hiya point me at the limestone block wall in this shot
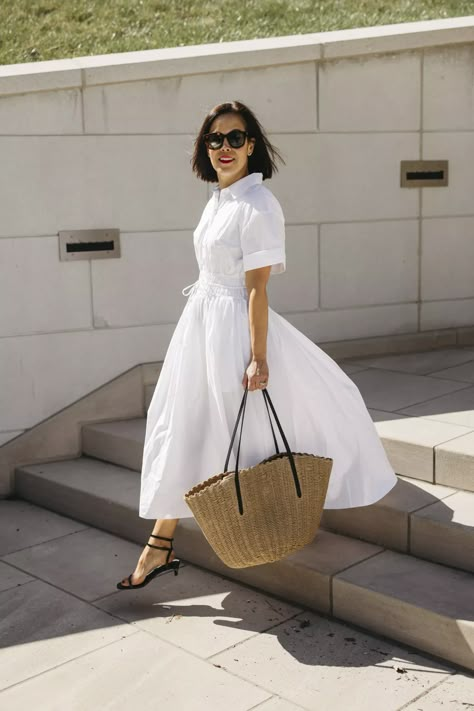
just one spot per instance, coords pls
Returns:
(106, 141)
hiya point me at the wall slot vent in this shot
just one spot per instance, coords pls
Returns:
(89, 244)
(423, 173)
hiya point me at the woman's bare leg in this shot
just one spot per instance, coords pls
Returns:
(150, 557)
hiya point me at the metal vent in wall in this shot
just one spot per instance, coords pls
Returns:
(89, 244)
(423, 173)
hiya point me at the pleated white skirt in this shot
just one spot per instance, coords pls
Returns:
(194, 407)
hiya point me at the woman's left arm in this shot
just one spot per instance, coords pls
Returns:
(256, 282)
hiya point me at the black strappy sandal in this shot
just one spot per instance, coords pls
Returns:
(165, 568)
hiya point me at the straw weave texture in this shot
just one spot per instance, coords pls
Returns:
(275, 521)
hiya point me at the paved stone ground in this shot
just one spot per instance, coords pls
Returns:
(70, 641)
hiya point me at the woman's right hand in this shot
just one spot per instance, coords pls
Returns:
(256, 375)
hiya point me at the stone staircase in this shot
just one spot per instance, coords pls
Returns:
(402, 568)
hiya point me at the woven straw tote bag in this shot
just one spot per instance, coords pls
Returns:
(263, 513)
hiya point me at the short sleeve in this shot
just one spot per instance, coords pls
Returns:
(263, 239)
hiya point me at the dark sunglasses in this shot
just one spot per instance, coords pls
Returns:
(236, 138)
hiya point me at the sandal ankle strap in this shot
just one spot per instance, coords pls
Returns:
(162, 548)
(163, 538)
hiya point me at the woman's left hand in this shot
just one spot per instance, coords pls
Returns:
(256, 375)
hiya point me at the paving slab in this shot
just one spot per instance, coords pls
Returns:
(386, 522)
(421, 362)
(89, 563)
(140, 672)
(11, 577)
(409, 443)
(198, 611)
(23, 524)
(454, 462)
(277, 704)
(320, 663)
(392, 391)
(41, 627)
(455, 693)
(463, 373)
(419, 603)
(382, 415)
(79, 655)
(350, 368)
(444, 531)
(456, 408)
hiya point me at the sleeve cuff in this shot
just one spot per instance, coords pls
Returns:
(267, 257)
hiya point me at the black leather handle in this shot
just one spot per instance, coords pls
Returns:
(241, 414)
(242, 406)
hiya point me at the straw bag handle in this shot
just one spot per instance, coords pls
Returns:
(241, 413)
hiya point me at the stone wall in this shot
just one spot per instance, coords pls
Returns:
(106, 141)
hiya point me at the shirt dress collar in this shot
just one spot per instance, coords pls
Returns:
(239, 187)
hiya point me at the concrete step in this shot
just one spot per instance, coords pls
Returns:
(428, 520)
(149, 390)
(120, 442)
(417, 447)
(423, 604)
(431, 521)
(428, 449)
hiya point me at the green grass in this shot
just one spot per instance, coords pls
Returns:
(37, 30)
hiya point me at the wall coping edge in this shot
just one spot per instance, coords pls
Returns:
(79, 72)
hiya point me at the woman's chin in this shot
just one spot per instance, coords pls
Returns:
(229, 174)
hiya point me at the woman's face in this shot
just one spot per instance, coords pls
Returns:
(230, 164)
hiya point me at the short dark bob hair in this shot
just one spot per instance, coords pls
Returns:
(264, 155)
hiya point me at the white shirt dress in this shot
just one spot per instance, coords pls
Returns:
(194, 407)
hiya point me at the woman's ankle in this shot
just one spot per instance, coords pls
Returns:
(165, 527)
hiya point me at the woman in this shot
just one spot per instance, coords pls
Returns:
(226, 338)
